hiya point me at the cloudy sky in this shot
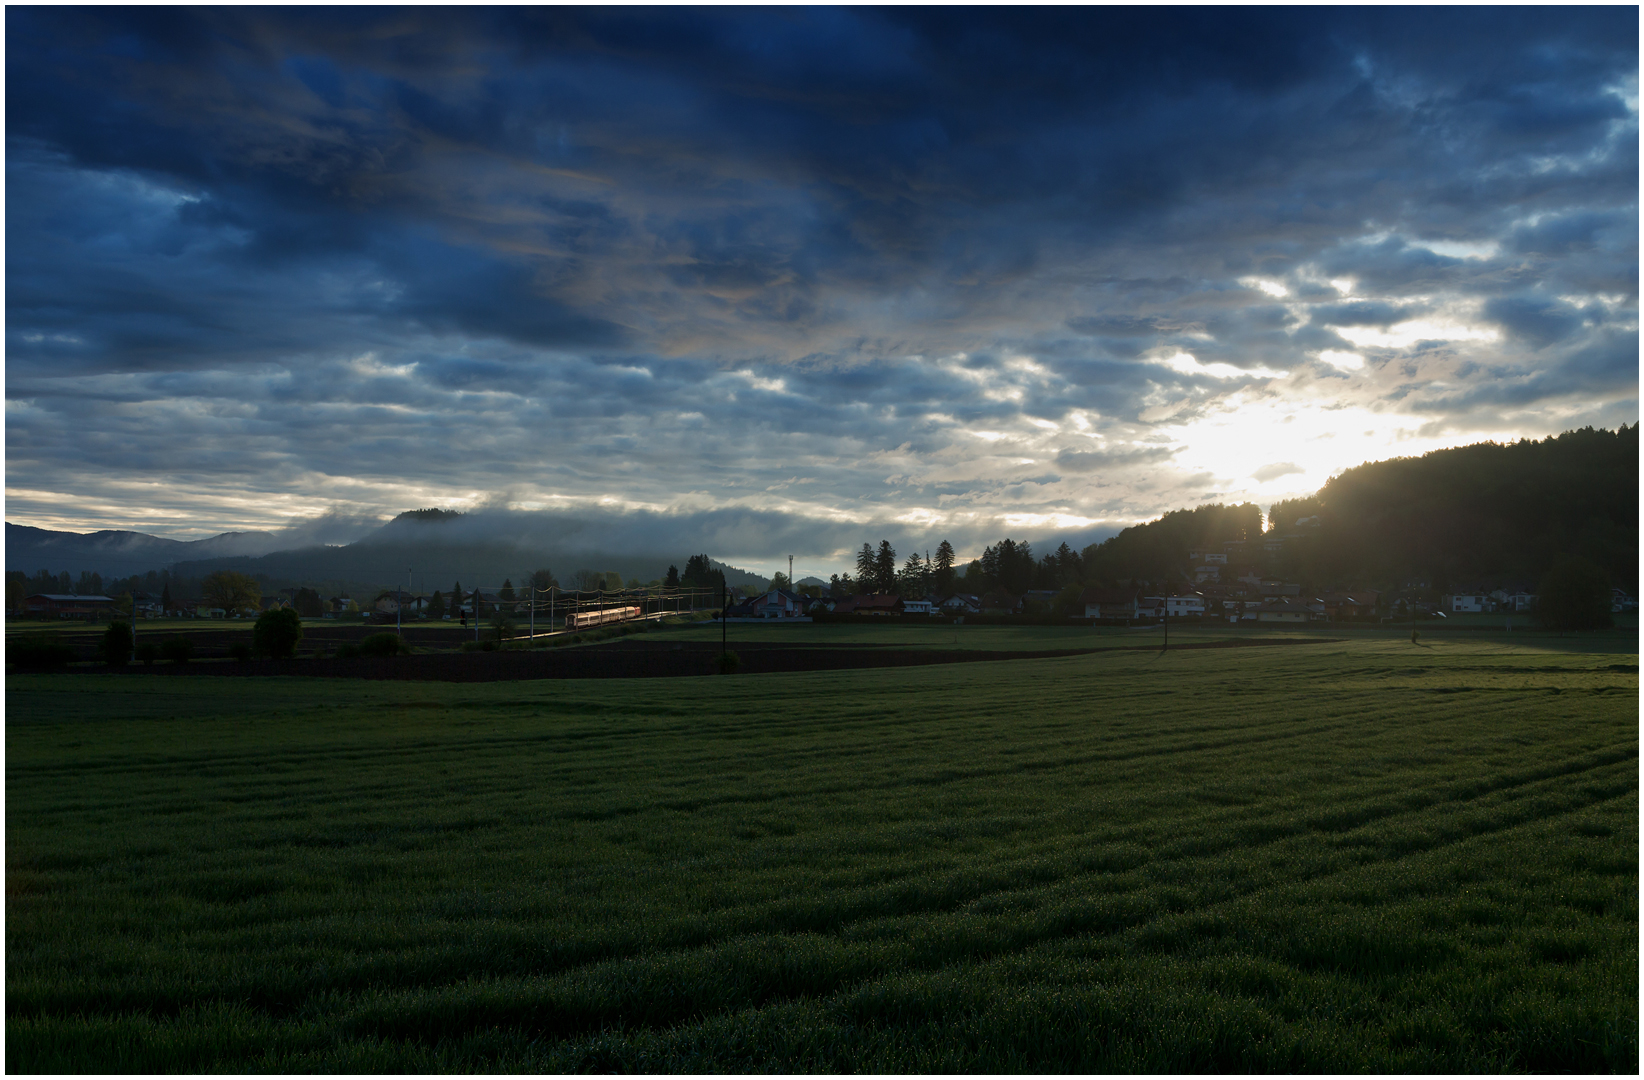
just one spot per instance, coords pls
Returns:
(939, 272)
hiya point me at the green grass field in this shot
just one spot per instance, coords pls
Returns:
(1341, 857)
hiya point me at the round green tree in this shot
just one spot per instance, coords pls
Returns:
(1575, 595)
(277, 632)
(116, 643)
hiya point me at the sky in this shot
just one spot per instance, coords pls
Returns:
(853, 274)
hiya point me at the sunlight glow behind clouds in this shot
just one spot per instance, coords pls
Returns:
(563, 262)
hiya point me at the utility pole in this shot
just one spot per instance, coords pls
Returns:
(724, 605)
(790, 573)
(1167, 620)
(399, 607)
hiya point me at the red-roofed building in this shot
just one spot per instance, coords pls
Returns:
(66, 606)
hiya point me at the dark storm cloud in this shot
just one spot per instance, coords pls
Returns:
(377, 254)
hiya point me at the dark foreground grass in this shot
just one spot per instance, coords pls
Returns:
(1334, 857)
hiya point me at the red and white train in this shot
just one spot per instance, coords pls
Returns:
(582, 619)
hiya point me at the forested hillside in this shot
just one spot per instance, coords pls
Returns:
(1475, 515)
(1483, 515)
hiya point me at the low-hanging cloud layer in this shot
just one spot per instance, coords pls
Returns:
(925, 271)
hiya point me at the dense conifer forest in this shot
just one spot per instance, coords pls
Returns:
(1484, 515)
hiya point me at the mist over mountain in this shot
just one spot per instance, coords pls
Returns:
(116, 552)
(1479, 514)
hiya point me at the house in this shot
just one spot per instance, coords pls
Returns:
(1208, 565)
(876, 604)
(1272, 587)
(410, 605)
(1358, 604)
(67, 606)
(999, 603)
(1036, 601)
(1466, 602)
(778, 604)
(1620, 601)
(918, 607)
(1182, 607)
(1111, 604)
(962, 604)
(1283, 610)
(1513, 600)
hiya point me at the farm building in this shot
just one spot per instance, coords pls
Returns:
(66, 606)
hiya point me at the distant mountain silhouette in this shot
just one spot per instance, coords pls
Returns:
(118, 553)
(439, 547)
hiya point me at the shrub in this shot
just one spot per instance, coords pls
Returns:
(178, 649)
(39, 652)
(348, 650)
(240, 651)
(1575, 595)
(382, 645)
(116, 644)
(148, 652)
(277, 633)
(728, 662)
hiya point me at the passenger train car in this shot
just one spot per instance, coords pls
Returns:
(583, 619)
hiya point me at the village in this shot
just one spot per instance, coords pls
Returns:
(1209, 589)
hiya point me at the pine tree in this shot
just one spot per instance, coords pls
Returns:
(867, 567)
(944, 575)
(911, 582)
(884, 564)
(672, 580)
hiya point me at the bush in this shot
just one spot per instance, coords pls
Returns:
(178, 649)
(39, 652)
(1575, 595)
(277, 633)
(240, 651)
(116, 644)
(348, 650)
(487, 645)
(382, 645)
(728, 662)
(148, 652)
